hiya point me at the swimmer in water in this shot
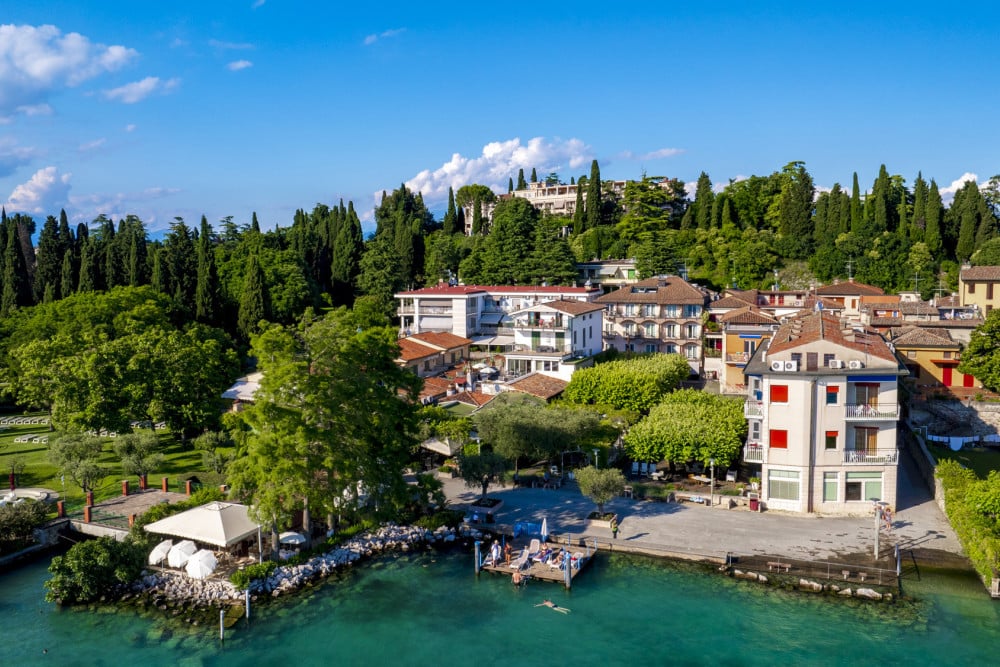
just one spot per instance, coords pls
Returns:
(553, 605)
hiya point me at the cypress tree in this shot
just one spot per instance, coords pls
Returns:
(987, 221)
(594, 196)
(451, 215)
(579, 219)
(67, 279)
(703, 200)
(918, 222)
(253, 299)
(857, 219)
(534, 176)
(964, 208)
(49, 258)
(521, 185)
(572, 180)
(16, 288)
(206, 294)
(346, 258)
(932, 231)
(50, 293)
(687, 220)
(88, 270)
(160, 279)
(254, 225)
(510, 185)
(460, 221)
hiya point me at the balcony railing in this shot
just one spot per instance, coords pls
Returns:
(539, 324)
(880, 412)
(405, 309)
(435, 310)
(872, 456)
(753, 409)
(754, 452)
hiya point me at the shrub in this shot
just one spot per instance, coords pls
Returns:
(94, 568)
(450, 518)
(18, 523)
(242, 578)
(973, 519)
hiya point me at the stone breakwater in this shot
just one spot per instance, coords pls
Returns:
(170, 587)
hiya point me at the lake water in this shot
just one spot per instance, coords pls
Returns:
(430, 608)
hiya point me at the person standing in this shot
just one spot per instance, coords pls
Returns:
(614, 527)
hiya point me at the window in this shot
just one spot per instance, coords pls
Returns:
(831, 439)
(779, 438)
(692, 311)
(783, 484)
(811, 361)
(749, 346)
(651, 347)
(630, 347)
(779, 393)
(831, 481)
(797, 358)
(947, 354)
(989, 290)
(649, 330)
(866, 440)
(629, 328)
(551, 366)
(649, 310)
(691, 351)
(866, 393)
(827, 358)
(670, 348)
(755, 430)
(691, 331)
(630, 310)
(831, 395)
(671, 311)
(863, 486)
(670, 331)
(972, 288)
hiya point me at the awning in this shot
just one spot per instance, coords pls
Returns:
(491, 318)
(441, 447)
(217, 523)
(492, 340)
(435, 323)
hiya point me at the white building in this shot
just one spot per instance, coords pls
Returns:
(822, 408)
(555, 337)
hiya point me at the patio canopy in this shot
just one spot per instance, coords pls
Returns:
(219, 524)
(445, 448)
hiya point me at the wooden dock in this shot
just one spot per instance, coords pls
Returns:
(533, 569)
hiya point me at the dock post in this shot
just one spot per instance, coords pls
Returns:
(246, 595)
(568, 572)
(222, 626)
(478, 542)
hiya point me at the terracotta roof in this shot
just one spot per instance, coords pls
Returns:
(441, 340)
(572, 307)
(474, 398)
(443, 289)
(905, 337)
(879, 305)
(849, 288)
(981, 273)
(917, 308)
(540, 385)
(948, 301)
(747, 315)
(809, 303)
(410, 350)
(880, 298)
(815, 326)
(956, 323)
(666, 290)
(434, 387)
(886, 321)
(730, 302)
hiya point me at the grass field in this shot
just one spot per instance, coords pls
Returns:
(180, 462)
(980, 460)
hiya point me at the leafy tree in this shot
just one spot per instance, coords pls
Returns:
(594, 196)
(551, 260)
(17, 524)
(600, 484)
(76, 455)
(480, 470)
(635, 384)
(690, 425)
(508, 424)
(92, 569)
(795, 210)
(503, 256)
(988, 254)
(140, 453)
(216, 450)
(981, 357)
(451, 215)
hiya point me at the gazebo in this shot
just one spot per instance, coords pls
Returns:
(217, 523)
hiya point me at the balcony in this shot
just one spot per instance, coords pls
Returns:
(872, 456)
(547, 324)
(753, 409)
(405, 309)
(868, 413)
(435, 310)
(754, 452)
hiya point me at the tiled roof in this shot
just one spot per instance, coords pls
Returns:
(981, 273)
(886, 321)
(411, 350)
(540, 385)
(879, 305)
(474, 398)
(880, 298)
(905, 337)
(747, 315)
(956, 323)
(849, 288)
(815, 326)
(951, 301)
(809, 303)
(573, 307)
(730, 302)
(668, 290)
(434, 387)
(441, 340)
(444, 289)
(917, 308)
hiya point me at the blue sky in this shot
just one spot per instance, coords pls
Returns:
(224, 108)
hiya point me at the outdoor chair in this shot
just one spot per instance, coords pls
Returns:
(730, 475)
(635, 468)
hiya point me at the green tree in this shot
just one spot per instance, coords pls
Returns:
(93, 569)
(988, 254)
(139, 453)
(253, 300)
(49, 260)
(703, 200)
(600, 484)
(635, 384)
(76, 456)
(981, 357)
(207, 284)
(594, 210)
(451, 215)
(521, 183)
(503, 256)
(551, 260)
(932, 229)
(216, 449)
(481, 470)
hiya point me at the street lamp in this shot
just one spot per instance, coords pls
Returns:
(596, 461)
(711, 474)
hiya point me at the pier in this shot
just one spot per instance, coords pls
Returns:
(523, 560)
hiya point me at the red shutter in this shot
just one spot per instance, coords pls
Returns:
(779, 438)
(779, 393)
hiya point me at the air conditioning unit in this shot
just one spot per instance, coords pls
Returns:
(792, 366)
(837, 363)
(777, 366)
(855, 364)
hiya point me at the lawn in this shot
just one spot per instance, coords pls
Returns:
(980, 459)
(180, 462)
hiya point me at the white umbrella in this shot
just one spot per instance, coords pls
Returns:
(292, 538)
(201, 564)
(489, 370)
(479, 366)
(545, 529)
(160, 552)
(180, 553)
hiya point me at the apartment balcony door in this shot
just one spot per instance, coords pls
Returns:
(866, 393)
(865, 439)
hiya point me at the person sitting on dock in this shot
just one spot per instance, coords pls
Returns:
(552, 605)
(517, 579)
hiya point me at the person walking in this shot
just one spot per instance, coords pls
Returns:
(614, 527)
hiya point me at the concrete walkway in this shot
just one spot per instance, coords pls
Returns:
(698, 530)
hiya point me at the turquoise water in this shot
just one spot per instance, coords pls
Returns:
(430, 608)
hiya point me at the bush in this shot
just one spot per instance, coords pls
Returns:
(974, 524)
(242, 578)
(449, 518)
(18, 523)
(94, 568)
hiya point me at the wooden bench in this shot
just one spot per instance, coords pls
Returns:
(779, 566)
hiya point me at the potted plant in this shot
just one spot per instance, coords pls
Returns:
(600, 486)
(755, 483)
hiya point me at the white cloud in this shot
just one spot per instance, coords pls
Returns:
(237, 65)
(500, 161)
(658, 154)
(130, 127)
(45, 192)
(137, 91)
(13, 156)
(948, 193)
(36, 61)
(91, 146)
(385, 34)
(35, 109)
(229, 46)
(119, 204)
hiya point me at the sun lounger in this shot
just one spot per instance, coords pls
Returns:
(521, 561)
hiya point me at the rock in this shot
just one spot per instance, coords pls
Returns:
(847, 592)
(868, 594)
(810, 586)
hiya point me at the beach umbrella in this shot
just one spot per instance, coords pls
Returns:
(180, 553)
(160, 552)
(545, 529)
(201, 564)
(292, 538)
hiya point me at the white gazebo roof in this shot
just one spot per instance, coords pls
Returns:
(217, 523)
